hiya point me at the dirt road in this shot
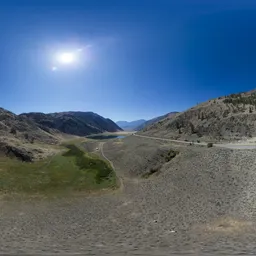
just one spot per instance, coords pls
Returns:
(222, 145)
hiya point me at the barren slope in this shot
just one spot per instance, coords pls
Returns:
(22, 128)
(202, 201)
(22, 138)
(225, 118)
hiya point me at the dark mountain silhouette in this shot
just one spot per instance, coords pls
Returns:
(75, 123)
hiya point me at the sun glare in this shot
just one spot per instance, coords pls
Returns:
(66, 58)
(69, 58)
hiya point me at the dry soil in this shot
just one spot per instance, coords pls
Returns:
(201, 202)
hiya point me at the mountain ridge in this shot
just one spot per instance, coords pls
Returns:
(231, 117)
(26, 136)
(155, 119)
(73, 122)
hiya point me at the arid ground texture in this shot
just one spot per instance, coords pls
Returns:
(199, 200)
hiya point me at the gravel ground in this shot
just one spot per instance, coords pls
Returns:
(202, 202)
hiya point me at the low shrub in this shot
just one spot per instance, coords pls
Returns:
(171, 154)
(209, 145)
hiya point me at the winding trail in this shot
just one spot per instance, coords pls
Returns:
(121, 182)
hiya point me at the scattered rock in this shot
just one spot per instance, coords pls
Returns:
(20, 153)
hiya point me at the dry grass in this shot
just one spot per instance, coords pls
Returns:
(136, 157)
(228, 225)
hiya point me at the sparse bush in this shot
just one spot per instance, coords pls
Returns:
(225, 113)
(178, 125)
(13, 131)
(209, 145)
(102, 175)
(192, 128)
(237, 99)
(171, 154)
(152, 170)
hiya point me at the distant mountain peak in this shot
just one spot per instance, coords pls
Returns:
(125, 125)
(154, 120)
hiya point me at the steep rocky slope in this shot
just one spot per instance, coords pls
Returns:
(21, 128)
(26, 136)
(226, 118)
(76, 123)
(154, 120)
(23, 139)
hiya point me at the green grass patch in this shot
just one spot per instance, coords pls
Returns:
(74, 170)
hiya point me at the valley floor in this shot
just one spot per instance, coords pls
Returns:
(202, 201)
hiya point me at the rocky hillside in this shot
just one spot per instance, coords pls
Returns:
(26, 136)
(225, 118)
(21, 128)
(154, 120)
(75, 123)
(22, 138)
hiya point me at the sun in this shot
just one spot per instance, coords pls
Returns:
(66, 58)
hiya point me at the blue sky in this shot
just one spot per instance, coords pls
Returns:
(140, 59)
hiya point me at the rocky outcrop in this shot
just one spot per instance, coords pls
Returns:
(22, 128)
(20, 153)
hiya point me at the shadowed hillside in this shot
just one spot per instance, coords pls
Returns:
(26, 136)
(20, 127)
(76, 123)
